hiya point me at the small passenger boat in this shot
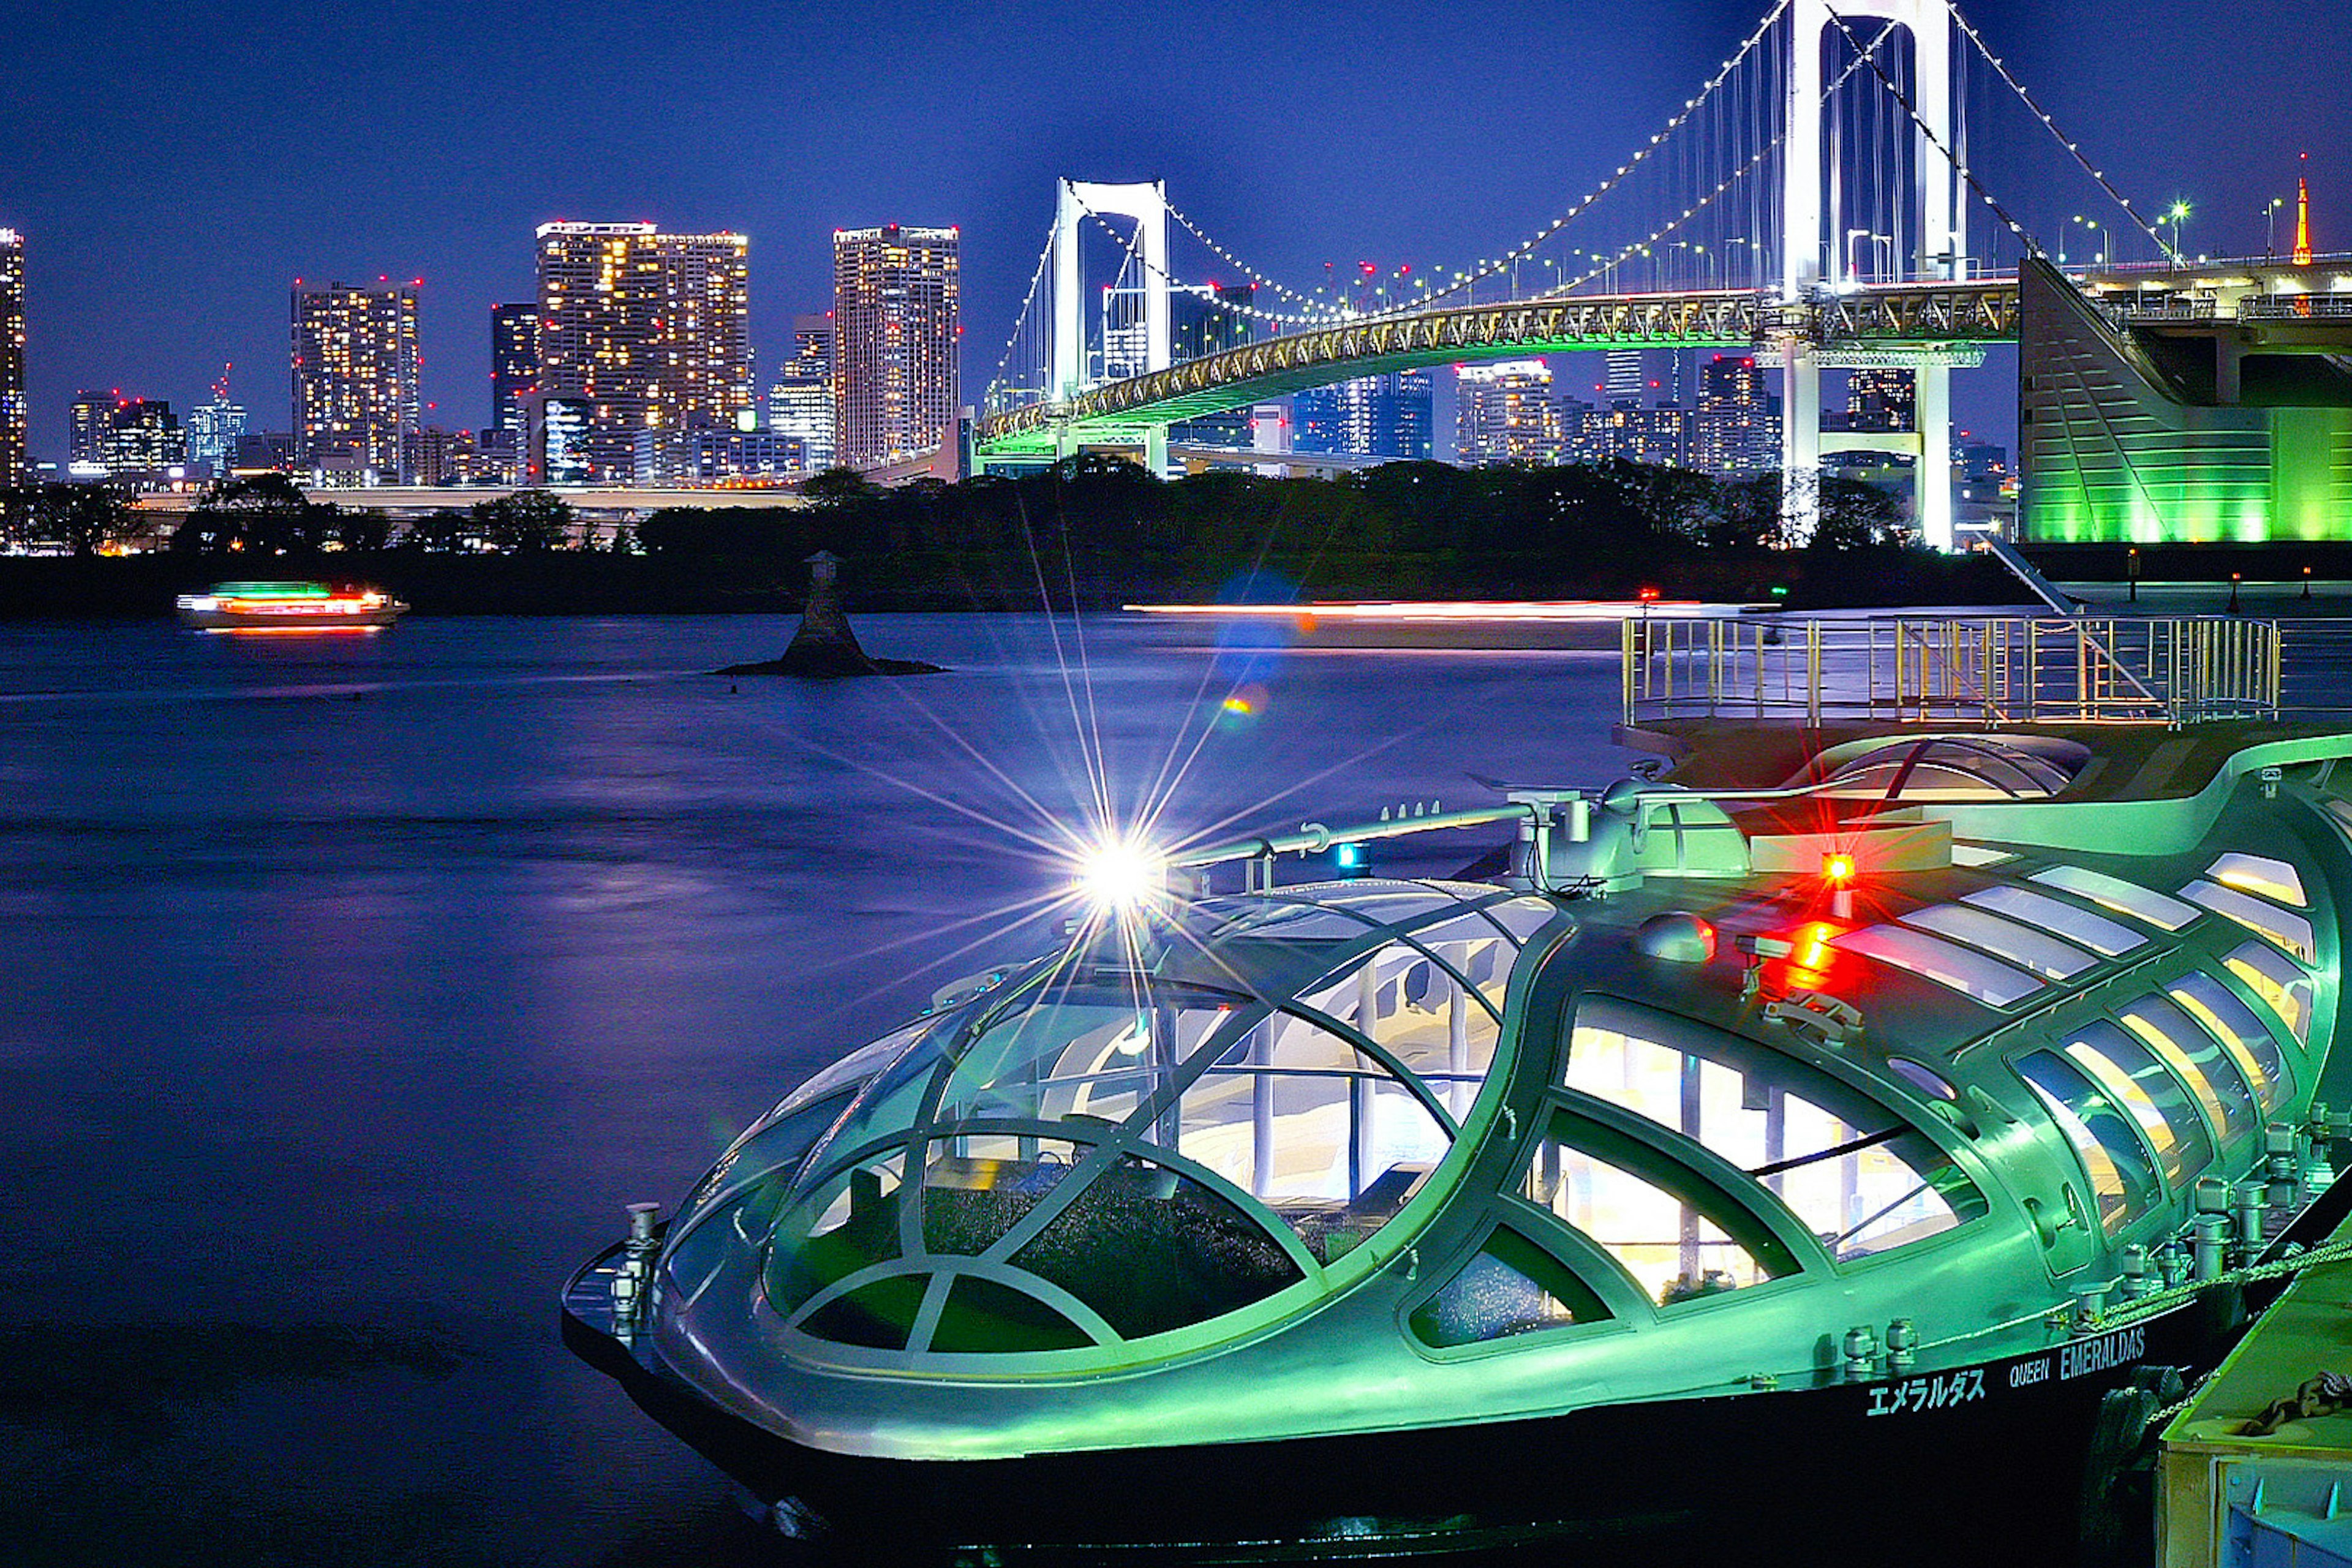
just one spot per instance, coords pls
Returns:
(289, 607)
(1835, 1150)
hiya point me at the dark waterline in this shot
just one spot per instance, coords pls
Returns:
(352, 984)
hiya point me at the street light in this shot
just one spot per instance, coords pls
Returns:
(2106, 247)
(2270, 233)
(2179, 211)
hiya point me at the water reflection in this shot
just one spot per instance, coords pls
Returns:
(353, 988)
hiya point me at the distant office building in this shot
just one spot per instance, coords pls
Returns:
(1735, 431)
(265, 452)
(436, 457)
(896, 315)
(1623, 385)
(144, 443)
(1981, 462)
(214, 430)
(645, 329)
(15, 460)
(1634, 435)
(1374, 416)
(707, 456)
(514, 365)
(88, 419)
(355, 367)
(1882, 400)
(560, 442)
(800, 405)
(1506, 412)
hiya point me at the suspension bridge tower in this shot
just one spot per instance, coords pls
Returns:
(1810, 257)
(1077, 201)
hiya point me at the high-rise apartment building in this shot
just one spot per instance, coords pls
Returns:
(1635, 434)
(1506, 412)
(646, 330)
(896, 315)
(800, 405)
(355, 365)
(143, 441)
(15, 461)
(1735, 428)
(514, 365)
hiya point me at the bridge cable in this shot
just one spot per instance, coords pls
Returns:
(2018, 87)
(1966, 172)
(1021, 320)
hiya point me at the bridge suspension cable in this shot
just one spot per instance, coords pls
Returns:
(2001, 68)
(1021, 323)
(1529, 246)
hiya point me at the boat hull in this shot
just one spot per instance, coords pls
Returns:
(369, 620)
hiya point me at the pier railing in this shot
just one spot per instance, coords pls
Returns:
(1973, 669)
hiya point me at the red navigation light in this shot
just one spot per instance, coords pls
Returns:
(1838, 869)
(1648, 596)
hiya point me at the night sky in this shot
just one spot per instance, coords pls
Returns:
(175, 165)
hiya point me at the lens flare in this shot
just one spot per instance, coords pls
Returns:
(1121, 874)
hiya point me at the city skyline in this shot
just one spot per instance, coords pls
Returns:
(135, 279)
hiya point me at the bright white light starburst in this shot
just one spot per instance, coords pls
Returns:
(1120, 876)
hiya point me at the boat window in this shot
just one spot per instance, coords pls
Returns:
(1966, 854)
(1521, 918)
(1088, 1053)
(1676, 1237)
(2123, 1179)
(2149, 1094)
(1414, 1007)
(2291, 931)
(2021, 945)
(1151, 1250)
(1512, 1287)
(2076, 923)
(2242, 1034)
(847, 1223)
(975, 1189)
(1920, 1075)
(2273, 879)
(1964, 970)
(2192, 1052)
(2125, 898)
(986, 1317)
(770, 1151)
(2283, 989)
(1328, 1140)
(1857, 1177)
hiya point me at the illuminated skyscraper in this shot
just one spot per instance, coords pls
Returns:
(213, 429)
(143, 441)
(895, 316)
(1374, 415)
(800, 405)
(514, 365)
(87, 419)
(355, 369)
(1506, 412)
(1882, 400)
(14, 461)
(645, 329)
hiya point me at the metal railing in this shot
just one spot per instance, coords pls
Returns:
(1973, 669)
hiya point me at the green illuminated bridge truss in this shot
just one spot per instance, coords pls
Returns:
(1909, 317)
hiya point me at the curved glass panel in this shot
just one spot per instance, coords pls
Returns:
(850, 1222)
(2291, 931)
(2273, 879)
(2031, 950)
(978, 1187)
(2149, 1094)
(2233, 1024)
(985, 1316)
(2283, 989)
(1512, 1287)
(1150, 1250)
(2076, 923)
(1678, 1238)
(771, 1151)
(2159, 909)
(1954, 768)
(2123, 1178)
(1858, 1176)
(1948, 963)
(2192, 1052)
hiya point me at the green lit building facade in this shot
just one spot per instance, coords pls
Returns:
(2220, 412)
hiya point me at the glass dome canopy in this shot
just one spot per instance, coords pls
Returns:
(1959, 768)
(1147, 1131)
